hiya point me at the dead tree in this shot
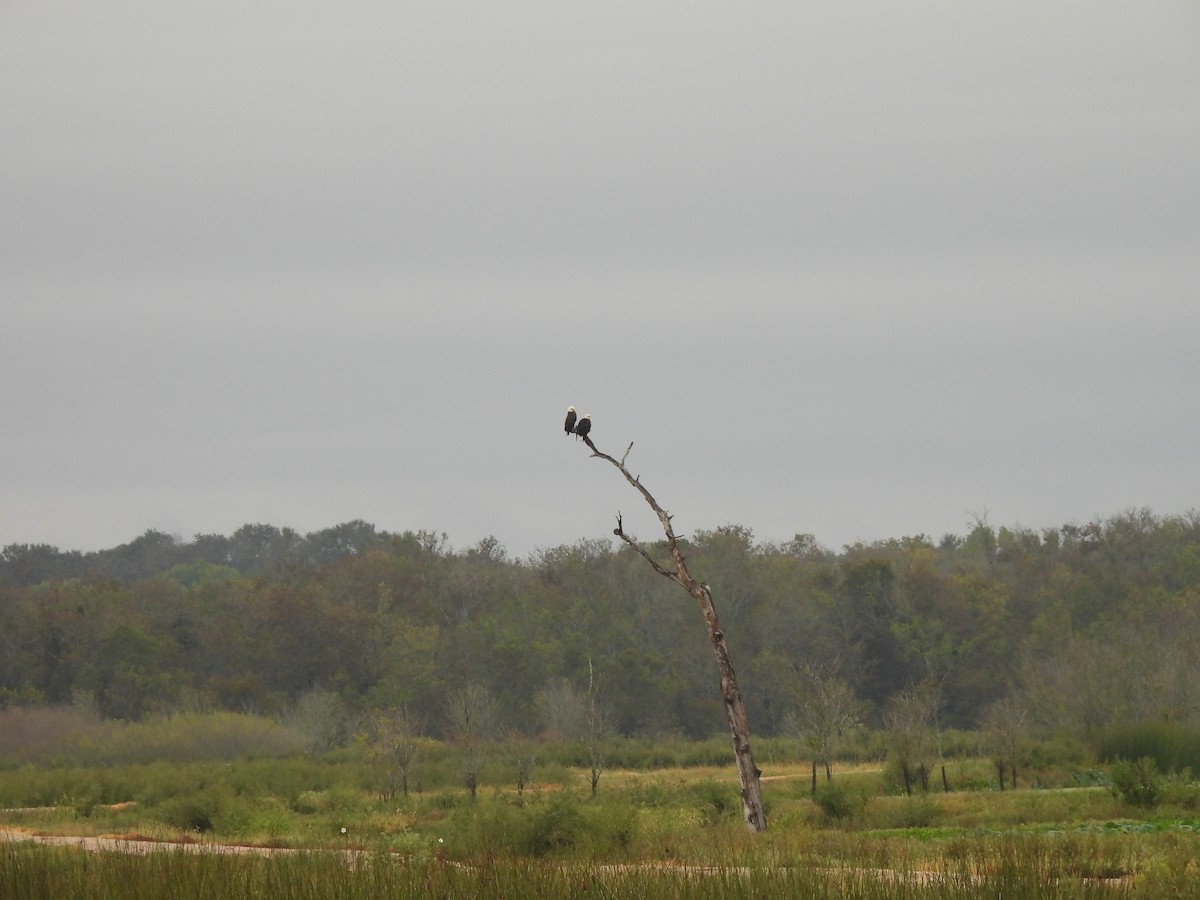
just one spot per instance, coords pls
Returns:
(739, 726)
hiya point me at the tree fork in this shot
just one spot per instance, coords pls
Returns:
(753, 813)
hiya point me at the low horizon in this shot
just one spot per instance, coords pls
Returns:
(758, 540)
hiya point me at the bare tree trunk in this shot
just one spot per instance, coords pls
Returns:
(753, 812)
(597, 730)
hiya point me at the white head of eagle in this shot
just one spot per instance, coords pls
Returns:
(569, 424)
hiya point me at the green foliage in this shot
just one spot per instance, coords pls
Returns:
(567, 861)
(331, 800)
(536, 826)
(76, 736)
(901, 812)
(839, 801)
(1137, 781)
(1094, 625)
(1180, 792)
(195, 811)
(1172, 746)
(716, 801)
(1059, 751)
(554, 826)
(638, 837)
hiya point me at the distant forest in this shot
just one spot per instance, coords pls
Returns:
(1085, 626)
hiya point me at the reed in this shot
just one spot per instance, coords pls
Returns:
(1013, 869)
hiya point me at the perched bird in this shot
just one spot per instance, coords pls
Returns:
(584, 426)
(569, 425)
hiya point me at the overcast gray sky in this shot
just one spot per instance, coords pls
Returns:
(855, 269)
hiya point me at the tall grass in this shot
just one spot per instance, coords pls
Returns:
(1025, 869)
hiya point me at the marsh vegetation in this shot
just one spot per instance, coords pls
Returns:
(664, 823)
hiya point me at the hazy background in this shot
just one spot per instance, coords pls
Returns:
(855, 269)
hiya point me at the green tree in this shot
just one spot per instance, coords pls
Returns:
(348, 539)
(128, 679)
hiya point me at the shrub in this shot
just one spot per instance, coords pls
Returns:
(554, 826)
(716, 801)
(1136, 782)
(195, 811)
(838, 801)
(309, 802)
(1181, 791)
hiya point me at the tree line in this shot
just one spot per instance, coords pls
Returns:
(1075, 628)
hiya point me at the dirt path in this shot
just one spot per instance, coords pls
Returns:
(141, 846)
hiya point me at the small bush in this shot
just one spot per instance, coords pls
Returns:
(558, 825)
(83, 806)
(309, 802)
(612, 827)
(196, 811)
(838, 801)
(1180, 791)
(652, 794)
(1137, 782)
(717, 802)
(554, 826)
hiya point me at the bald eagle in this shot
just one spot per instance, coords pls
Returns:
(569, 425)
(584, 426)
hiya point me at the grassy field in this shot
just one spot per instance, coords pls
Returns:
(669, 832)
